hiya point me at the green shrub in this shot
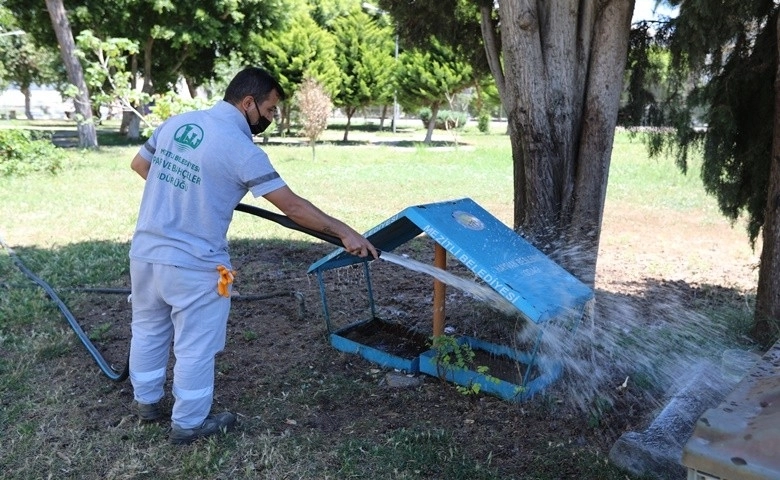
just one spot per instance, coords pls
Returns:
(453, 119)
(167, 105)
(25, 151)
(483, 122)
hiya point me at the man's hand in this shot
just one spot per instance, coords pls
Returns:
(357, 245)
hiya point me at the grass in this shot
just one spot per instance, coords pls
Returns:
(655, 183)
(73, 230)
(96, 197)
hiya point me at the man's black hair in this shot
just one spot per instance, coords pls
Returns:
(252, 81)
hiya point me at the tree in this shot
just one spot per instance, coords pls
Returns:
(455, 23)
(177, 39)
(325, 12)
(431, 76)
(727, 51)
(767, 315)
(106, 73)
(558, 66)
(25, 64)
(365, 56)
(22, 62)
(315, 108)
(305, 50)
(648, 70)
(81, 101)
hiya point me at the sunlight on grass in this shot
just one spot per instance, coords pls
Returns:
(655, 183)
(96, 197)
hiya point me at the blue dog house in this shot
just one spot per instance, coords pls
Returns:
(538, 288)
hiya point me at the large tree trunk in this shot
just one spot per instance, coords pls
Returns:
(82, 104)
(560, 85)
(599, 118)
(767, 314)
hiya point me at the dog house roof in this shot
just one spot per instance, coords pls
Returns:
(537, 286)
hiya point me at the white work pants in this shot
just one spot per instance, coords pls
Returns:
(180, 305)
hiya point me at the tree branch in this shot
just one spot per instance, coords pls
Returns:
(492, 47)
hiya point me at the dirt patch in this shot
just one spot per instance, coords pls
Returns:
(278, 344)
(391, 338)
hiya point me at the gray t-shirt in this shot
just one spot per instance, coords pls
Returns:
(202, 165)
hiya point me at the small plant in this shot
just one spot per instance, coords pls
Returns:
(315, 108)
(452, 355)
(250, 335)
(99, 332)
(598, 410)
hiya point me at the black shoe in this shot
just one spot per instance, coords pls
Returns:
(147, 412)
(214, 424)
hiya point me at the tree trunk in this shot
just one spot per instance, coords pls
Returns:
(124, 125)
(192, 87)
(285, 120)
(602, 102)
(134, 126)
(25, 89)
(130, 119)
(350, 111)
(767, 315)
(560, 85)
(82, 104)
(492, 46)
(382, 116)
(431, 123)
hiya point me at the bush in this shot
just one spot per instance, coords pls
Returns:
(483, 123)
(453, 119)
(25, 151)
(164, 106)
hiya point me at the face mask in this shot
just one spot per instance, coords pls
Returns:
(261, 124)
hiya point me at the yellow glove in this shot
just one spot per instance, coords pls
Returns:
(225, 279)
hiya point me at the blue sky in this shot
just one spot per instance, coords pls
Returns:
(644, 10)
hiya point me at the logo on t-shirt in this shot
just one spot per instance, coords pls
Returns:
(188, 137)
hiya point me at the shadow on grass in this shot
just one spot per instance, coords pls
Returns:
(70, 139)
(67, 138)
(65, 135)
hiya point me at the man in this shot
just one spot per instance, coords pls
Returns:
(197, 167)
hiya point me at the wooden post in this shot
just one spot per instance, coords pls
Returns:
(439, 291)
